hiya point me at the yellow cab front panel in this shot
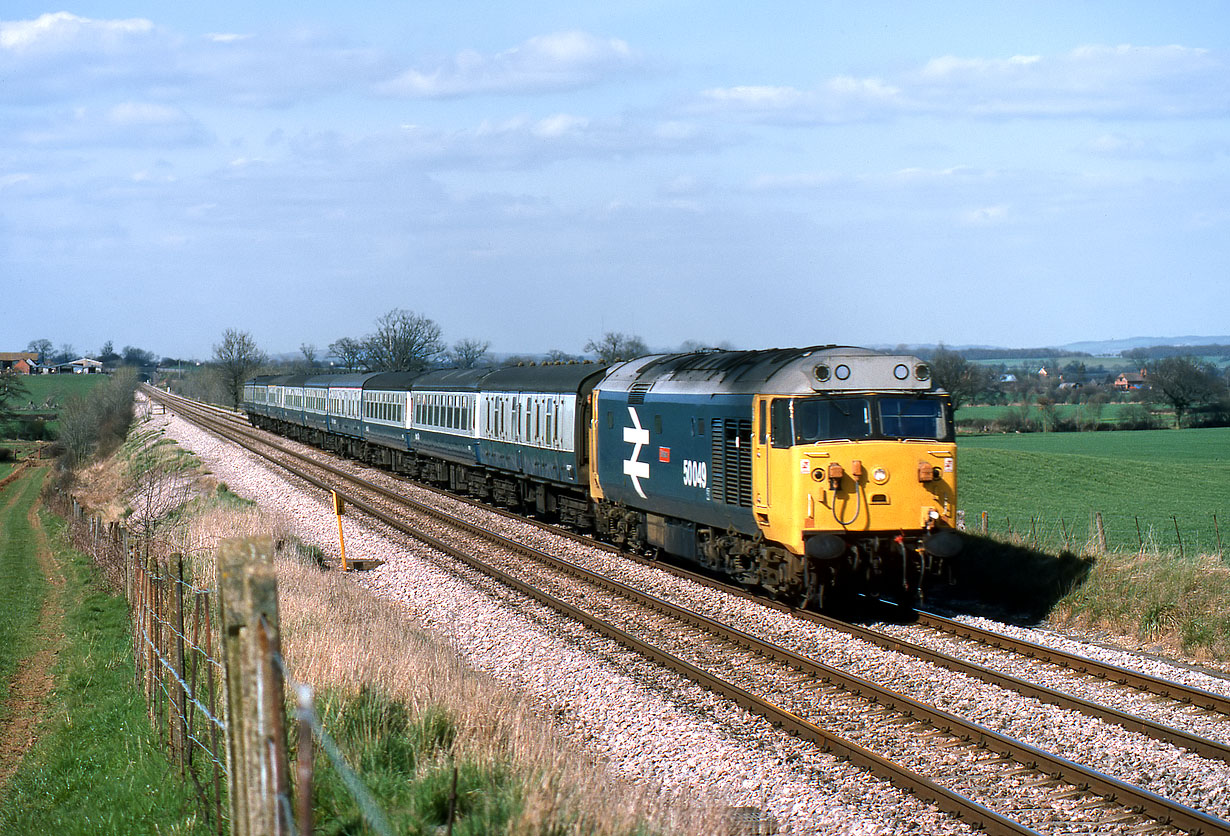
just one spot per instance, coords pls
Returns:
(874, 464)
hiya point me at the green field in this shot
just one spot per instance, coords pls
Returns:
(1047, 486)
(49, 392)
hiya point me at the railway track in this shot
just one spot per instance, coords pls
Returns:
(688, 641)
(1146, 683)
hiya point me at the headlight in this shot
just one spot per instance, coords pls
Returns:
(901, 372)
(821, 372)
(879, 475)
(922, 371)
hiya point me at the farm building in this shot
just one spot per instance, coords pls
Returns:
(82, 365)
(22, 362)
(1130, 380)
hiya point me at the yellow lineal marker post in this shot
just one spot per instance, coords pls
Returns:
(339, 507)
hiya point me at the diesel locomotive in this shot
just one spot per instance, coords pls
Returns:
(811, 473)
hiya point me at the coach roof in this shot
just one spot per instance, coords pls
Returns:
(391, 381)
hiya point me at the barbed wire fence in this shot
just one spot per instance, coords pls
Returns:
(208, 660)
(1096, 532)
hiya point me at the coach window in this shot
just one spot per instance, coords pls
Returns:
(764, 422)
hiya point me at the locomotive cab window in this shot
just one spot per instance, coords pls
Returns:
(781, 434)
(913, 418)
(825, 419)
(808, 420)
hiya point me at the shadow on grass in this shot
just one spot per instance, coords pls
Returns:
(1009, 582)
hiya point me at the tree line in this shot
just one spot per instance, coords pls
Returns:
(1184, 381)
(129, 355)
(402, 340)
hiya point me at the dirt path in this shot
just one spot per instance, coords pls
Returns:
(33, 681)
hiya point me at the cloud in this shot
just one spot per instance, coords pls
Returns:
(985, 215)
(63, 32)
(1143, 82)
(515, 143)
(558, 61)
(62, 56)
(126, 124)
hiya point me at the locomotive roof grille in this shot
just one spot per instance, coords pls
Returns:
(768, 371)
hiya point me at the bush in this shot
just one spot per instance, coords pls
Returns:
(97, 424)
(1137, 416)
(1016, 420)
(33, 429)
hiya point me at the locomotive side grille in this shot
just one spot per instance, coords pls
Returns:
(636, 392)
(731, 452)
(742, 455)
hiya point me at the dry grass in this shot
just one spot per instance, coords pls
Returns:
(342, 640)
(339, 637)
(1177, 605)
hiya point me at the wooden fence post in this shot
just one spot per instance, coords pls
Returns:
(179, 701)
(255, 717)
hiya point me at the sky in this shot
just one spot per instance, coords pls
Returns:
(784, 174)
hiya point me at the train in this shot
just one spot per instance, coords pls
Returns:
(811, 475)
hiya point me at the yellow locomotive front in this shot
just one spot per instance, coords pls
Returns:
(858, 477)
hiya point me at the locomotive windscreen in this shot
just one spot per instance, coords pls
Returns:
(808, 420)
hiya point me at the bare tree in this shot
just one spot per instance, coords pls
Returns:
(961, 378)
(557, 355)
(469, 353)
(159, 476)
(308, 363)
(107, 355)
(134, 356)
(43, 347)
(1185, 382)
(615, 345)
(349, 351)
(237, 358)
(403, 341)
(66, 354)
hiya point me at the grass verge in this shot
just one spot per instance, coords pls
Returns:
(22, 585)
(1171, 605)
(95, 767)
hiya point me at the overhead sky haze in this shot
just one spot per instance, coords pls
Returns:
(534, 175)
